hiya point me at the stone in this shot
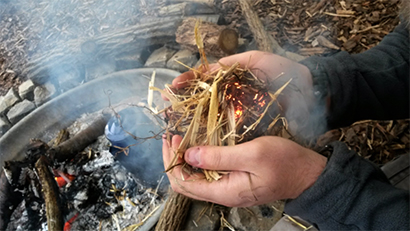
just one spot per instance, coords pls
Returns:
(160, 57)
(198, 220)
(261, 217)
(186, 57)
(211, 59)
(18, 111)
(4, 126)
(26, 90)
(9, 100)
(130, 61)
(44, 93)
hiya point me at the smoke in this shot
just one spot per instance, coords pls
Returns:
(305, 114)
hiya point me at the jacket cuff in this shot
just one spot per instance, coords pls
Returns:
(336, 188)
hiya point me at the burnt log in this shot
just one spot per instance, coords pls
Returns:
(9, 200)
(68, 149)
(50, 193)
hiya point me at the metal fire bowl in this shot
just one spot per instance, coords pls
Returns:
(63, 110)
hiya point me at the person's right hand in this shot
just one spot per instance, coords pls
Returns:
(260, 171)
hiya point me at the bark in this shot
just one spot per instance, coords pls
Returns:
(175, 212)
(49, 190)
(68, 149)
(264, 41)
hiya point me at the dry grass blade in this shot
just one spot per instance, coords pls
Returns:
(222, 108)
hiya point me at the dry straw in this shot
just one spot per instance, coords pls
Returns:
(221, 107)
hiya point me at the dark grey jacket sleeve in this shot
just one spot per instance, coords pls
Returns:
(352, 194)
(370, 85)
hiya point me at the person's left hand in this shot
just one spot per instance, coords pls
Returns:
(260, 171)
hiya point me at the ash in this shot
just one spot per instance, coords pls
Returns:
(103, 196)
(105, 192)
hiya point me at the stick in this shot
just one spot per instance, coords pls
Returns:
(50, 194)
(68, 149)
(255, 25)
(175, 212)
(264, 41)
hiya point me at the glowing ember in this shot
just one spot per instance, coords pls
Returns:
(238, 113)
(63, 180)
(245, 97)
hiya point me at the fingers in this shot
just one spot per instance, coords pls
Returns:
(169, 150)
(219, 158)
(182, 80)
(224, 191)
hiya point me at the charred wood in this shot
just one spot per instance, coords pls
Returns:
(50, 195)
(9, 200)
(68, 149)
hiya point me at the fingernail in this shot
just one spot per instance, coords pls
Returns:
(193, 156)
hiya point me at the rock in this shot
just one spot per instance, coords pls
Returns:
(262, 217)
(211, 59)
(44, 93)
(159, 57)
(9, 100)
(4, 126)
(26, 90)
(130, 61)
(198, 220)
(186, 57)
(18, 111)
(100, 68)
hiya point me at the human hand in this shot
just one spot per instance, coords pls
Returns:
(260, 171)
(297, 100)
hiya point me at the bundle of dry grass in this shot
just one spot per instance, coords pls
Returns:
(222, 107)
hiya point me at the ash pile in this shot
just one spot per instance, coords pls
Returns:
(86, 187)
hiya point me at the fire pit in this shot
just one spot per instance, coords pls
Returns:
(101, 94)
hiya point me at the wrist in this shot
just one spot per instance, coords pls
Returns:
(314, 166)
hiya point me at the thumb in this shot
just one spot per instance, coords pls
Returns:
(218, 158)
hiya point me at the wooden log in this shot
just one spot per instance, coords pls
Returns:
(186, 8)
(49, 190)
(175, 212)
(207, 2)
(9, 200)
(68, 149)
(264, 41)
(210, 33)
(85, 51)
(256, 26)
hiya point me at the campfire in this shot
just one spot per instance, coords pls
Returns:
(85, 187)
